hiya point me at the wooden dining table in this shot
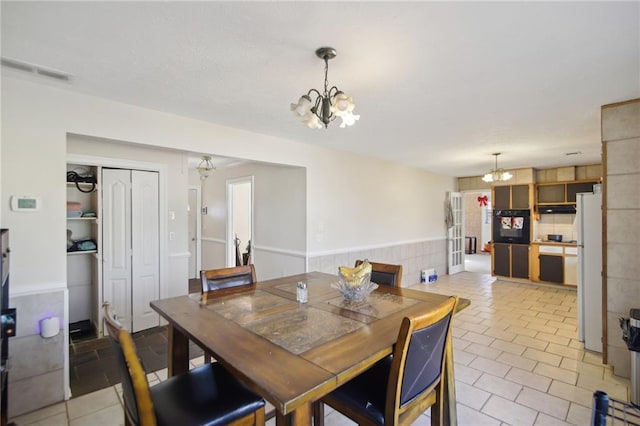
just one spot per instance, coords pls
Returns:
(294, 353)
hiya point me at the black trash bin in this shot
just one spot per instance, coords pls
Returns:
(631, 336)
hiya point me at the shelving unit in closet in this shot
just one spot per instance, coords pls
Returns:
(83, 248)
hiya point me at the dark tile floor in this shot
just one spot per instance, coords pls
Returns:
(93, 366)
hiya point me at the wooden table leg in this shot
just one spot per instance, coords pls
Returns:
(318, 413)
(300, 417)
(177, 353)
(449, 412)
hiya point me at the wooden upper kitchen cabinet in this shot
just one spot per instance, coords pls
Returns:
(577, 187)
(562, 192)
(520, 197)
(511, 197)
(551, 193)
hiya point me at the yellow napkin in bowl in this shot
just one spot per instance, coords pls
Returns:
(353, 276)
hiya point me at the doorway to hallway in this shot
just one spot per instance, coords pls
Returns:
(479, 263)
(240, 221)
(477, 218)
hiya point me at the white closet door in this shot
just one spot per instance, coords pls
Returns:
(146, 248)
(116, 242)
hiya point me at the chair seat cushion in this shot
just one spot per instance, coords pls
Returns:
(207, 395)
(364, 392)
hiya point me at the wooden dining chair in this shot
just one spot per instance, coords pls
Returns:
(214, 280)
(218, 279)
(206, 395)
(398, 389)
(384, 273)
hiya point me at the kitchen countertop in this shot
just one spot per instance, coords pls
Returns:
(555, 243)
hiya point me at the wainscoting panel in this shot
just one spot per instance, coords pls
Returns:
(36, 364)
(413, 256)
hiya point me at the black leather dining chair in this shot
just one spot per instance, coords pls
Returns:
(384, 273)
(206, 395)
(398, 389)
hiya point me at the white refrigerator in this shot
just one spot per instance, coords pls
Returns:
(589, 218)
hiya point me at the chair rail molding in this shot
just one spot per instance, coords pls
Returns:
(213, 240)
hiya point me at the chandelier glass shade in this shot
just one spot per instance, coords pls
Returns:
(497, 175)
(318, 112)
(205, 168)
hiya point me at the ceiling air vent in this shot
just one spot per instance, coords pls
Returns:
(36, 69)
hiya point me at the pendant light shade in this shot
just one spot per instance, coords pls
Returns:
(205, 168)
(497, 175)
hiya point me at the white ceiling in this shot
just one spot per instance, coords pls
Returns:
(439, 85)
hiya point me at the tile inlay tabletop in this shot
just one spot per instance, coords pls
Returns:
(302, 329)
(246, 308)
(377, 305)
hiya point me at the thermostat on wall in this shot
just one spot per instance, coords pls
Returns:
(25, 203)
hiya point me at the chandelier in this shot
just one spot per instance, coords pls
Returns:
(497, 175)
(329, 104)
(205, 168)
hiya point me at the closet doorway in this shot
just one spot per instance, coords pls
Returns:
(131, 246)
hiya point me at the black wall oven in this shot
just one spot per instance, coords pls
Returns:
(511, 226)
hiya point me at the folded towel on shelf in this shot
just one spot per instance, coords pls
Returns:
(74, 206)
(82, 245)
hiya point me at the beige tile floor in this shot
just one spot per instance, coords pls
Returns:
(517, 362)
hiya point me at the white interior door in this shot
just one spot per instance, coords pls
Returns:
(116, 242)
(455, 233)
(239, 218)
(194, 232)
(131, 245)
(145, 243)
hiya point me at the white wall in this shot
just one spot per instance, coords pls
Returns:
(334, 179)
(279, 237)
(351, 200)
(354, 201)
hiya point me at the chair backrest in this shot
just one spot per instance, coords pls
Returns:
(135, 387)
(224, 278)
(418, 363)
(217, 279)
(384, 273)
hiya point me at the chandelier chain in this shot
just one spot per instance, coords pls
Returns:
(326, 73)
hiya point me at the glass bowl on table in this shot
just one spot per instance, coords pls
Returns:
(355, 290)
